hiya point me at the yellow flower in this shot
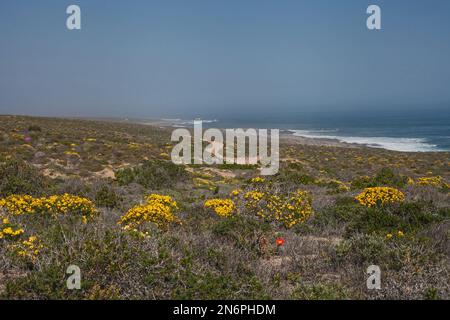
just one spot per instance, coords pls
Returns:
(158, 209)
(436, 181)
(19, 205)
(289, 209)
(389, 236)
(257, 180)
(11, 233)
(28, 249)
(371, 197)
(223, 207)
(235, 192)
(57, 204)
(400, 234)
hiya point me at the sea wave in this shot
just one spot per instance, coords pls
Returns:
(388, 143)
(188, 123)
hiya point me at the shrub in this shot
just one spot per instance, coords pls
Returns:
(154, 174)
(106, 197)
(125, 176)
(384, 177)
(387, 177)
(211, 286)
(18, 177)
(27, 250)
(335, 216)
(34, 128)
(389, 253)
(320, 291)
(66, 204)
(334, 186)
(235, 166)
(288, 209)
(378, 196)
(437, 182)
(222, 207)
(405, 217)
(295, 173)
(54, 205)
(257, 180)
(9, 230)
(158, 210)
(20, 205)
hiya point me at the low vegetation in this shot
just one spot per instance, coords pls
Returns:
(104, 196)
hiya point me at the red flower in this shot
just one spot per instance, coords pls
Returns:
(279, 242)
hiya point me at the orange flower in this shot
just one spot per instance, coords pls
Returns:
(279, 242)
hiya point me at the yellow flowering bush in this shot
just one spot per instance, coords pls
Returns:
(157, 209)
(430, 181)
(289, 209)
(257, 180)
(20, 205)
(375, 196)
(436, 181)
(253, 198)
(297, 209)
(66, 203)
(223, 207)
(56, 205)
(235, 192)
(28, 249)
(339, 185)
(10, 232)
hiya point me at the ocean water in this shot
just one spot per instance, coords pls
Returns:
(410, 132)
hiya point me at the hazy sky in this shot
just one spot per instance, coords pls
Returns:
(188, 58)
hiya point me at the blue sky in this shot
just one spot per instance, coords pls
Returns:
(189, 58)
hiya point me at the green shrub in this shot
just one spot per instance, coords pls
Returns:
(431, 294)
(341, 213)
(325, 291)
(392, 254)
(387, 177)
(407, 217)
(107, 197)
(241, 230)
(48, 283)
(18, 177)
(294, 173)
(384, 177)
(209, 286)
(235, 166)
(34, 128)
(155, 174)
(125, 176)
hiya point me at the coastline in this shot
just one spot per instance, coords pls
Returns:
(288, 136)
